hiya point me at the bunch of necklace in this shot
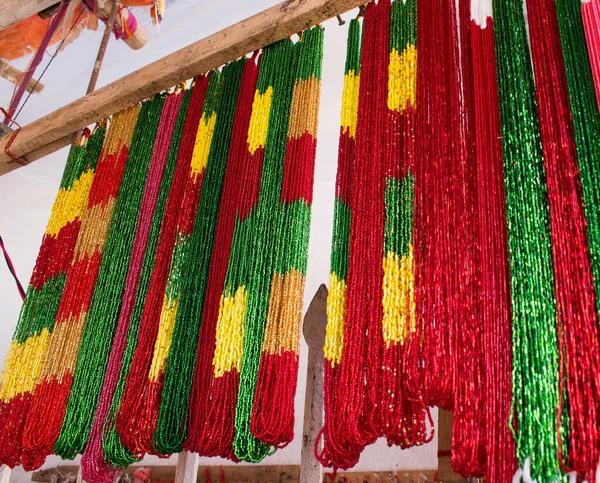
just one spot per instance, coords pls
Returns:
(93, 460)
(255, 213)
(372, 251)
(138, 411)
(115, 452)
(535, 347)
(468, 455)
(577, 320)
(171, 425)
(499, 447)
(103, 312)
(337, 452)
(272, 419)
(210, 430)
(53, 387)
(27, 351)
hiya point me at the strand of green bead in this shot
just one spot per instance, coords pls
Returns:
(535, 349)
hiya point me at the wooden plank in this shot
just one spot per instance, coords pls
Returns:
(313, 329)
(13, 11)
(14, 75)
(273, 24)
(256, 473)
(187, 467)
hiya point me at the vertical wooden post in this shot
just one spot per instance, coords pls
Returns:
(5, 474)
(187, 467)
(313, 329)
(102, 49)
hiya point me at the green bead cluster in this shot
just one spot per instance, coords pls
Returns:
(535, 347)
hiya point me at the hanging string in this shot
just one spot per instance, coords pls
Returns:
(12, 270)
(574, 285)
(273, 410)
(495, 282)
(54, 384)
(468, 455)
(260, 244)
(115, 453)
(535, 348)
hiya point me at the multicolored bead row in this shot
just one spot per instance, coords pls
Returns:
(492, 199)
(25, 358)
(188, 185)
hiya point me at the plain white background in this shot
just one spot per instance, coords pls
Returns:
(27, 194)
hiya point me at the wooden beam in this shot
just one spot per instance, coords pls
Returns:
(14, 75)
(13, 11)
(273, 24)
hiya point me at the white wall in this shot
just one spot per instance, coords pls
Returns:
(27, 194)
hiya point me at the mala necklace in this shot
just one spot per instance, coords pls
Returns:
(93, 463)
(501, 463)
(260, 244)
(403, 413)
(171, 428)
(335, 451)
(115, 453)
(468, 455)
(103, 312)
(574, 285)
(535, 348)
(272, 419)
(207, 434)
(54, 385)
(26, 353)
(136, 420)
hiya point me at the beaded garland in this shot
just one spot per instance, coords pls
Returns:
(52, 391)
(26, 353)
(118, 375)
(494, 200)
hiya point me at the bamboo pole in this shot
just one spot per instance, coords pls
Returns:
(275, 23)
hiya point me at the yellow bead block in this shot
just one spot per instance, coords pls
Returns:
(402, 79)
(259, 119)
(23, 365)
(229, 339)
(162, 346)
(70, 204)
(336, 310)
(398, 298)
(350, 103)
(204, 136)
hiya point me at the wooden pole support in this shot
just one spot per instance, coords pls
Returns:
(275, 23)
(5, 472)
(13, 11)
(14, 75)
(187, 467)
(313, 329)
